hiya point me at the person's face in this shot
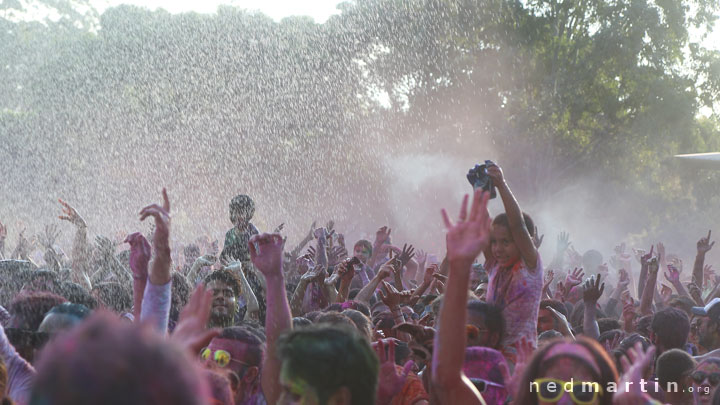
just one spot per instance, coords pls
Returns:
(238, 368)
(503, 247)
(568, 369)
(707, 332)
(295, 390)
(224, 302)
(484, 337)
(546, 321)
(704, 390)
(481, 291)
(361, 253)
(239, 217)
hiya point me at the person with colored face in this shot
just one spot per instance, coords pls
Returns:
(568, 372)
(706, 378)
(546, 319)
(238, 352)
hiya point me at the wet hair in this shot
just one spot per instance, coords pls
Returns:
(255, 346)
(673, 365)
(47, 275)
(537, 365)
(300, 321)
(180, 294)
(671, 326)
(356, 305)
(191, 250)
(329, 358)
(244, 205)
(76, 294)
(313, 315)
(607, 324)
(29, 309)
(609, 335)
(114, 296)
(67, 308)
(682, 302)
(107, 361)
(502, 219)
(549, 335)
(361, 322)
(643, 325)
(227, 277)
(365, 244)
(492, 314)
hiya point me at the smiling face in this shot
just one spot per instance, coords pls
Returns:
(503, 246)
(546, 321)
(705, 389)
(361, 252)
(568, 369)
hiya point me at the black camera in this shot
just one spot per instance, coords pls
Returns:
(478, 177)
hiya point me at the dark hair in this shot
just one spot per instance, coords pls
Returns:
(682, 302)
(353, 293)
(673, 365)
(300, 321)
(256, 347)
(114, 296)
(549, 335)
(108, 361)
(191, 250)
(643, 325)
(361, 322)
(609, 335)
(534, 370)
(366, 244)
(76, 294)
(554, 304)
(329, 358)
(671, 327)
(608, 324)
(492, 315)
(30, 308)
(180, 294)
(227, 277)
(67, 308)
(502, 219)
(335, 318)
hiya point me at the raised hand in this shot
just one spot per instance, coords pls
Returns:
(644, 259)
(471, 234)
(563, 242)
(161, 236)
(382, 235)
(48, 239)
(639, 254)
(393, 298)
(660, 252)
(266, 253)
(549, 276)
(3, 232)
(206, 260)
(574, 278)
(279, 228)
(623, 280)
(408, 252)
(634, 370)
(562, 321)
(139, 255)
(390, 381)
(430, 273)
(71, 215)
(191, 331)
(420, 333)
(321, 234)
(593, 290)
(106, 247)
(672, 275)
(421, 257)
(336, 255)
(653, 265)
(575, 257)
(537, 241)
(704, 245)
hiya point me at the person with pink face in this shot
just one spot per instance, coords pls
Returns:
(706, 378)
(487, 370)
(568, 372)
(238, 351)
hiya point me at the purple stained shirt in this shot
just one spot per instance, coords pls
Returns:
(20, 373)
(517, 292)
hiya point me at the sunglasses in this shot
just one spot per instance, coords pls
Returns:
(482, 385)
(700, 376)
(581, 392)
(221, 357)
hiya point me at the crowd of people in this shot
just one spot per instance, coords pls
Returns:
(486, 321)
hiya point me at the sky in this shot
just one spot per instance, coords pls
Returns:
(319, 10)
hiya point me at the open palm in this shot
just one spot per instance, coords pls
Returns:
(470, 235)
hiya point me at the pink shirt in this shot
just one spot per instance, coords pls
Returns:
(517, 292)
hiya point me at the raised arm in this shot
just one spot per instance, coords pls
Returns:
(703, 246)
(368, 289)
(591, 294)
(253, 307)
(465, 240)
(156, 299)
(649, 290)
(519, 231)
(81, 249)
(139, 258)
(266, 253)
